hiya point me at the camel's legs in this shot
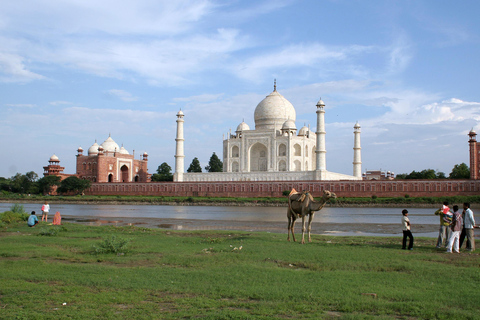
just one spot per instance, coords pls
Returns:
(292, 227)
(310, 219)
(303, 229)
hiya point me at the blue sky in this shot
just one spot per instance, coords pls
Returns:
(72, 72)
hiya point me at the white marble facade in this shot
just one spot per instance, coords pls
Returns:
(274, 150)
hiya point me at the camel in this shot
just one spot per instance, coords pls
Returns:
(302, 204)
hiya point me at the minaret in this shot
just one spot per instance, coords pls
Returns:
(320, 152)
(357, 156)
(179, 155)
(473, 154)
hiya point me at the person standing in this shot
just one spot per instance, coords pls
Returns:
(456, 227)
(443, 233)
(406, 231)
(45, 210)
(469, 225)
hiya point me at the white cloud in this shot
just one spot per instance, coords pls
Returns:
(122, 95)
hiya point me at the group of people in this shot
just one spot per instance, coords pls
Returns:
(33, 220)
(454, 228)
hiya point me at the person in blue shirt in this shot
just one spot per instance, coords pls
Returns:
(32, 220)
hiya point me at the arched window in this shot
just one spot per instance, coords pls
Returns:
(124, 170)
(298, 165)
(297, 150)
(110, 177)
(258, 157)
(306, 151)
(282, 150)
(235, 152)
(282, 165)
(235, 167)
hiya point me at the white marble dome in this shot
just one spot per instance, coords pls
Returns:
(93, 149)
(242, 127)
(273, 111)
(289, 125)
(123, 150)
(303, 131)
(54, 158)
(110, 145)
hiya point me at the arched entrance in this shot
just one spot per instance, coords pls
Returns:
(110, 177)
(258, 157)
(124, 170)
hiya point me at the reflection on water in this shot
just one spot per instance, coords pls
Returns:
(274, 214)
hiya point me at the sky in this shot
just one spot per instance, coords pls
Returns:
(74, 72)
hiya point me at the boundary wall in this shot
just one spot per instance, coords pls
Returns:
(393, 188)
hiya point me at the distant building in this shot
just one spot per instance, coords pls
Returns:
(110, 163)
(378, 175)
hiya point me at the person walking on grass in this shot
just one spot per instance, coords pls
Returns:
(406, 231)
(456, 227)
(45, 210)
(469, 225)
(444, 232)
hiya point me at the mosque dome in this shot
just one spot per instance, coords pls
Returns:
(123, 150)
(93, 149)
(303, 131)
(273, 111)
(54, 158)
(242, 127)
(110, 145)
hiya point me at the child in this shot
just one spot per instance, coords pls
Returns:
(32, 220)
(406, 231)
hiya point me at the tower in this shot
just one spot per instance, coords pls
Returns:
(357, 157)
(320, 151)
(179, 155)
(473, 154)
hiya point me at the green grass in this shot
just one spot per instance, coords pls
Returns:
(228, 275)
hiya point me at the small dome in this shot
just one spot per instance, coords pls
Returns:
(180, 113)
(123, 150)
(110, 145)
(242, 127)
(289, 125)
(93, 149)
(303, 131)
(54, 158)
(320, 103)
(145, 154)
(357, 125)
(80, 149)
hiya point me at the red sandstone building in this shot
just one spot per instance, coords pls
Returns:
(110, 163)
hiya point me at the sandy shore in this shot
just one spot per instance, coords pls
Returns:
(275, 227)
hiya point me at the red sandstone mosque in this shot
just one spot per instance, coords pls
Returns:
(104, 163)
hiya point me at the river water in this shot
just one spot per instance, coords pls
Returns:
(330, 220)
(333, 215)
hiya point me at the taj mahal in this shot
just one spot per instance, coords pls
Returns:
(274, 150)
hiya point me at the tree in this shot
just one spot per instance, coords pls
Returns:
(45, 184)
(164, 173)
(460, 171)
(73, 185)
(422, 175)
(195, 166)
(214, 165)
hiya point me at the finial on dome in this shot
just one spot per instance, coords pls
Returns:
(274, 84)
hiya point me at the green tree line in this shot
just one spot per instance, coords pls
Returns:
(459, 171)
(29, 183)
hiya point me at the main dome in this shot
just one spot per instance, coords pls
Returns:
(273, 111)
(110, 145)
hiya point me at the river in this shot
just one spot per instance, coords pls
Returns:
(330, 220)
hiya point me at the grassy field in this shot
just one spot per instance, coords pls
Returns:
(82, 272)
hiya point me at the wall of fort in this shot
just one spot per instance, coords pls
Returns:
(394, 188)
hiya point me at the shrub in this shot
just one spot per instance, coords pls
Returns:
(113, 244)
(286, 193)
(17, 208)
(407, 196)
(374, 197)
(11, 217)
